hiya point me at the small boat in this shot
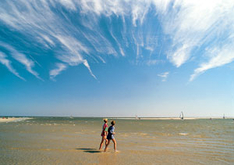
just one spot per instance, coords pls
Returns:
(137, 118)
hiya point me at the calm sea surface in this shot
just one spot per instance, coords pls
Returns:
(75, 141)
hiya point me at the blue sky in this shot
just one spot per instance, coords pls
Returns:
(117, 58)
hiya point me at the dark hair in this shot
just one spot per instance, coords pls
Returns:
(113, 122)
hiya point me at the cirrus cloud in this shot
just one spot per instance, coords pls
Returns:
(86, 31)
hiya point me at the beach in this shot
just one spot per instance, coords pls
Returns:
(59, 140)
(7, 119)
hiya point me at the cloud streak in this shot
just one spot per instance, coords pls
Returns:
(197, 24)
(7, 63)
(56, 71)
(164, 76)
(21, 58)
(219, 58)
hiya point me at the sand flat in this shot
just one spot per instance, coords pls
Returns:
(40, 141)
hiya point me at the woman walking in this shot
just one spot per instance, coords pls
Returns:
(104, 133)
(110, 136)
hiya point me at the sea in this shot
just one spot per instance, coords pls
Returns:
(75, 140)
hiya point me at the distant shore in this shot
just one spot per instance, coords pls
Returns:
(15, 119)
(12, 119)
(166, 118)
(151, 118)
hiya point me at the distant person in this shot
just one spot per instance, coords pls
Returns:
(104, 133)
(110, 136)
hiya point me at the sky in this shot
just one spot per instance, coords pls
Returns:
(99, 58)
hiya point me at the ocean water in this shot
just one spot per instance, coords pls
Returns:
(55, 140)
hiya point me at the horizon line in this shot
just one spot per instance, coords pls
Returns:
(71, 116)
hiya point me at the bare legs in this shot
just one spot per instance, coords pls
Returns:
(115, 144)
(107, 144)
(114, 141)
(103, 139)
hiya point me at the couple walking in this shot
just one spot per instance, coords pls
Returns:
(108, 135)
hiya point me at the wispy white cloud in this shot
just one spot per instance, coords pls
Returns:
(99, 42)
(192, 24)
(57, 71)
(7, 63)
(219, 58)
(152, 62)
(74, 56)
(69, 4)
(47, 28)
(47, 39)
(120, 47)
(73, 48)
(28, 63)
(164, 76)
(139, 10)
(85, 62)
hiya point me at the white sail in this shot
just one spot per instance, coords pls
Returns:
(182, 115)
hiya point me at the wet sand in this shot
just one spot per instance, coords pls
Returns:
(76, 141)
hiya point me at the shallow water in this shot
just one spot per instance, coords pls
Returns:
(76, 140)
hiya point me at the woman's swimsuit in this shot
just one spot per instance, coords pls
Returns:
(110, 133)
(104, 128)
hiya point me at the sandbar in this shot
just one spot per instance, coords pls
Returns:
(12, 119)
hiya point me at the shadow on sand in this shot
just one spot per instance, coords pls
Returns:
(89, 150)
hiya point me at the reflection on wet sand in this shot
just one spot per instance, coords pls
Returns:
(140, 142)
